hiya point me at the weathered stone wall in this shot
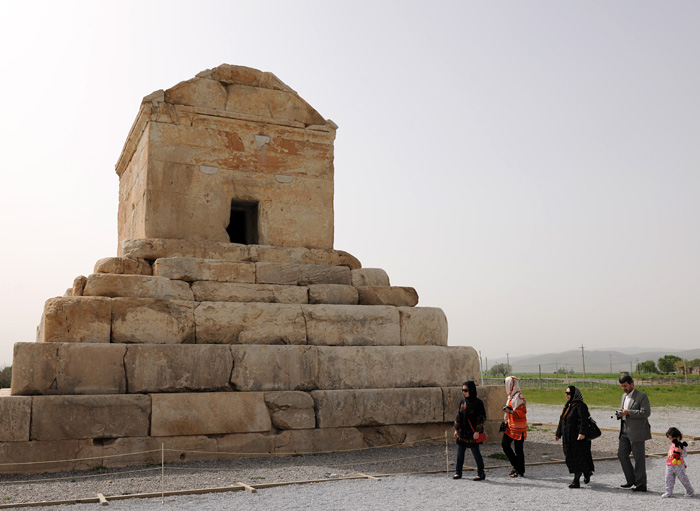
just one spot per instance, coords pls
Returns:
(71, 368)
(46, 428)
(229, 133)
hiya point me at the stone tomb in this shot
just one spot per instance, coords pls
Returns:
(228, 323)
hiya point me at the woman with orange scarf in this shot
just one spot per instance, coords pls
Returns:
(515, 417)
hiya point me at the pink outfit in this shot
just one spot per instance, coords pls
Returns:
(675, 467)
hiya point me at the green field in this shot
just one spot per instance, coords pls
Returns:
(610, 376)
(676, 395)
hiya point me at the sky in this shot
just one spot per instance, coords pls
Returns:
(529, 167)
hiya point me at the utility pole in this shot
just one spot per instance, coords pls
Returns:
(508, 362)
(540, 370)
(583, 361)
(610, 363)
(486, 359)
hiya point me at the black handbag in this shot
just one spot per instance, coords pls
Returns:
(593, 429)
(502, 427)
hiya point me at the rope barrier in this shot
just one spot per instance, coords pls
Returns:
(79, 459)
(88, 476)
(307, 453)
(225, 453)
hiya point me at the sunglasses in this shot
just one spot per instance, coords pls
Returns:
(568, 393)
(465, 390)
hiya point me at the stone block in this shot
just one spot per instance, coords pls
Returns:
(494, 398)
(209, 413)
(75, 319)
(15, 417)
(123, 266)
(207, 291)
(269, 368)
(155, 248)
(369, 277)
(377, 367)
(178, 368)
(271, 104)
(244, 444)
(333, 294)
(305, 441)
(301, 274)
(48, 456)
(334, 257)
(76, 417)
(451, 398)
(180, 449)
(147, 320)
(423, 326)
(203, 92)
(124, 452)
(249, 323)
(78, 285)
(190, 269)
(138, 286)
(464, 366)
(291, 410)
(68, 368)
(377, 407)
(352, 325)
(407, 434)
(388, 295)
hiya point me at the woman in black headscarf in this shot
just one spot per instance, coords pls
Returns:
(468, 424)
(573, 430)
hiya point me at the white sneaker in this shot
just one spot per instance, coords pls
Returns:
(690, 494)
(666, 496)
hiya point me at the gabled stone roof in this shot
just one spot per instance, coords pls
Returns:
(242, 90)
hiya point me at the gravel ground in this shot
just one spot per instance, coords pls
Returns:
(421, 481)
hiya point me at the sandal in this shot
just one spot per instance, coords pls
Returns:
(512, 472)
(516, 474)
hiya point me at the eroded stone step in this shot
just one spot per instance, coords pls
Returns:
(148, 320)
(72, 368)
(152, 249)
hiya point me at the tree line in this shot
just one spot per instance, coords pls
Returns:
(5, 377)
(668, 364)
(665, 365)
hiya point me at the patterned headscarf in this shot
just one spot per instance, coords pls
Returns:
(515, 397)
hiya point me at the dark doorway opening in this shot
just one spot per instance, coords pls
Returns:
(243, 223)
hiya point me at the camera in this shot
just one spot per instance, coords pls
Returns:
(618, 414)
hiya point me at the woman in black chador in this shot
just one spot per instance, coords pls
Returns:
(468, 424)
(573, 431)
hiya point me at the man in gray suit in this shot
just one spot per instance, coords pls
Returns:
(634, 431)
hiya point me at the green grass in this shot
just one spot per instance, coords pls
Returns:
(676, 395)
(498, 456)
(608, 376)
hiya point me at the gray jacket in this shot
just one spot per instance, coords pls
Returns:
(638, 427)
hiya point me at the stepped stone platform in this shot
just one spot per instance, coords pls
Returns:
(227, 324)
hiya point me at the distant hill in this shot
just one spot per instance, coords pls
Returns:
(596, 361)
